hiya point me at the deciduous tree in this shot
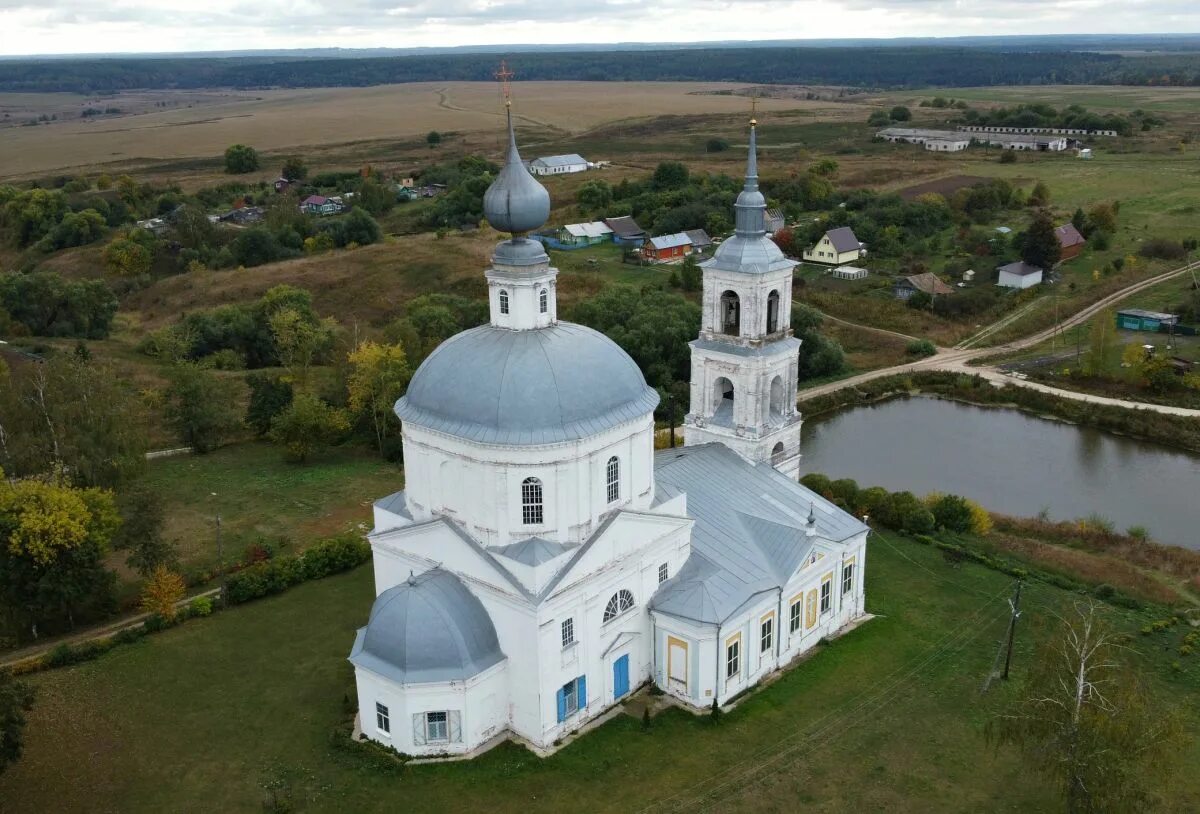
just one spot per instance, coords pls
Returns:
(201, 406)
(162, 590)
(16, 698)
(240, 159)
(378, 376)
(307, 425)
(1087, 719)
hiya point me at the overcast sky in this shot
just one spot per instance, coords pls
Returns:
(89, 26)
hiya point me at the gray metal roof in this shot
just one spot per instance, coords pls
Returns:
(749, 534)
(534, 550)
(496, 386)
(698, 237)
(396, 503)
(429, 628)
(1020, 268)
(844, 239)
(671, 241)
(560, 160)
(625, 226)
(515, 202)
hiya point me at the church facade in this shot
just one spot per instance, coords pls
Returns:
(544, 561)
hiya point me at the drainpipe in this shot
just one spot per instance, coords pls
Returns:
(717, 683)
(654, 651)
(778, 625)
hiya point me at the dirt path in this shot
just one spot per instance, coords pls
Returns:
(955, 359)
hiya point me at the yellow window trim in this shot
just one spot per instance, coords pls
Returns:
(671, 640)
(828, 577)
(737, 637)
(766, 616)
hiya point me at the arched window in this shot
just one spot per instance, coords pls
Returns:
(778, 454)
(621, 601)
(544, 301)
(614, 479)
(531, 502)
(776, 402)
(731, 313)
(722, 401)
(773, 312)
(503, 301)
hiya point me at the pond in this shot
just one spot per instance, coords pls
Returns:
(1011, 462)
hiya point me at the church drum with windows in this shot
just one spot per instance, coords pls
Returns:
(544, 562)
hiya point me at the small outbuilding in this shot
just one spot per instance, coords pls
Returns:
(1069, 240)
(774, 221)
(700, 239)
(927, 283)
(836, 247)
(666, 248)
(850, 273)
(1137, 319)
(626, 232)
(584, 234)
(1019, 275)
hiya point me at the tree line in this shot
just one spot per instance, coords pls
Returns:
(875, 67)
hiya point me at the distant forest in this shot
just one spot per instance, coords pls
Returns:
(863, 67)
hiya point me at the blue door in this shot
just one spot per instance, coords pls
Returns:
(621, 676)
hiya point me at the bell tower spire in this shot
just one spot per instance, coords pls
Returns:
(744, 363)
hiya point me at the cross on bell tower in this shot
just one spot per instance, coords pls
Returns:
(745, 361)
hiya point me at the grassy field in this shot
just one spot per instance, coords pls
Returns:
(204, 123)
(260, 495)
(1095, 97)
(888, 718)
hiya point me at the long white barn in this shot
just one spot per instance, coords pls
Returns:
(543, 561)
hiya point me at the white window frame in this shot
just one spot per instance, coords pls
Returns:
(766, 634)
(618, 604)
(663, 573)
(503, 301)
(733, 658)
(430, 725)
(383, 719)
(612, 479)
(570, 697)
(544, 301)
(568, 632)
(826, 596)
(533, 510)
(796, 615)
(848, 578)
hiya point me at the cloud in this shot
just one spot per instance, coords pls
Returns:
(75, 26)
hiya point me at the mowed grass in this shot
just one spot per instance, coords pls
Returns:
(261, 495)
(888, 718)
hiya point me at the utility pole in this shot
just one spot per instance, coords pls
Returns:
(1015, 604)
(220, 557)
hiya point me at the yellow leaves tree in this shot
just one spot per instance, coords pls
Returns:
(981, 520)
(44, 518)
(379, 374)
(162, 590)
(299, 341)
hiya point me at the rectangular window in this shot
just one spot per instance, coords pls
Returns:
(797, 616)
(568, 632)
(436, 726)
(733, 658)
(826, 595)
(767, 634)
(848, 578)
(382, 721)
(662, 573)
(571, 698)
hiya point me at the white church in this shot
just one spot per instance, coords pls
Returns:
(544, 561)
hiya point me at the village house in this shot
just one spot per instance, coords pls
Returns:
(700, 240)
(665, 248)
(837, 246)
(626, 232)
(558, 164)
(320, 205)
(1070, 240)
(243, 216)
(283, 184)
(578, 235)
(1019, 275)
(927, 283)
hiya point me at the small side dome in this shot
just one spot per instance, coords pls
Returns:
(429, 628)
(515, 202)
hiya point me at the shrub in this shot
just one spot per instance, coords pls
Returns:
(1162, 249)
(716, 145)
(201, 606)
(818, 483)
(920, 347)
(335, 555)
(1008, 157)
(952, 513)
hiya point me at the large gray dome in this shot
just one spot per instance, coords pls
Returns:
(544, 386)
(427, 629)
(515, 202)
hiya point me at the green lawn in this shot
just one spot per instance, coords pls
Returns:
(261, 495)
(889, 718)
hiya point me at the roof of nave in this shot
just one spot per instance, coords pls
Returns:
(750, 532)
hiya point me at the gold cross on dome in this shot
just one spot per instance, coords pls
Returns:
(503, 76)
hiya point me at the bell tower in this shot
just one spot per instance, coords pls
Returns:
(745, 361)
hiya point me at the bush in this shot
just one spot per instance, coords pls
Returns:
(1162, 249)
(1008, 157)
(327, 557)
(920, 347)
(818, 483)
(716, 145)
(201, 606)
(241, 159)
(952, 513)
(335, 555)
